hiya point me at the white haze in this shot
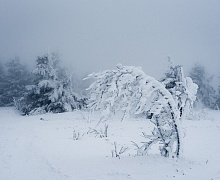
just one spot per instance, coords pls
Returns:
(93, 35)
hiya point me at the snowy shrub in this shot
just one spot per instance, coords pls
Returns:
(130, 90)
(182, 89)
(142, 150)
(102, 132)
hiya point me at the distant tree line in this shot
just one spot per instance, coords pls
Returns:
(50, 87)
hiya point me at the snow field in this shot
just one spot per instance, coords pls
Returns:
(43, 147)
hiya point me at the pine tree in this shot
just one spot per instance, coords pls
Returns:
(129, 89)
(49, 93)
(182, 88)
(218, 98)
(16, 77)
(206, 93)
(3, 84)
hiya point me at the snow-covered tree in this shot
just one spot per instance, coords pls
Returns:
(50, 93)
(182, 88)
(15, 77)
(218, 98)
(3, 84)
(206, 92)
(129, 89)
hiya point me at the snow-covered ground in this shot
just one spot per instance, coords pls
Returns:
(43, 148)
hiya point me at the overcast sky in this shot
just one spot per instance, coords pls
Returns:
(93, 35)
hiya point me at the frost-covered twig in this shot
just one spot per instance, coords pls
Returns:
(103, 132)
(77, 135)
(144, 148)
(117, 153)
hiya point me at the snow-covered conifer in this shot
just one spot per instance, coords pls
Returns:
(218, 98)
(182, 88)
(206, 93)
(15, 77)
(51, 92)
(3, 85)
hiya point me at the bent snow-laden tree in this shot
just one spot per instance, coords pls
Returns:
(129, 89)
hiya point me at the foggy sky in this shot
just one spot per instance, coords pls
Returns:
(93, 35)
